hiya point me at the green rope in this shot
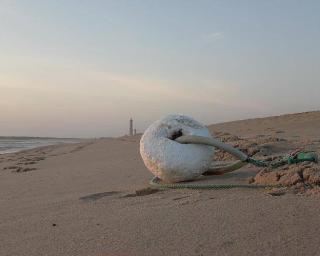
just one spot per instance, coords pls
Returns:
(157, 183)
(303, 157)
(291, 159)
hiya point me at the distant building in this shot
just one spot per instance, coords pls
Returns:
(131, 127)
(135, 132)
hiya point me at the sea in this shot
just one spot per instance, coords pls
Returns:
(16, 144)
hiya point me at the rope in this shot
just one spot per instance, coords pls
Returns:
(297, 157)
(157, 183)
(293, 158)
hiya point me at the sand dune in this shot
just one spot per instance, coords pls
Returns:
(292, 126)
(84, 199)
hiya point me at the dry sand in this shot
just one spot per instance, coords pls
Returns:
(81, 199)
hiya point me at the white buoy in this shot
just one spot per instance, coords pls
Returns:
(170, 160)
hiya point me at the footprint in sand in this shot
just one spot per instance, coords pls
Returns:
(11, 167)
(16, 168)
(97, 196)
(140, 192)
(20, 169)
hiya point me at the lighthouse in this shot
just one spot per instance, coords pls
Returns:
(131, 127)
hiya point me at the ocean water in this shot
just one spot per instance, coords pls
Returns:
(15, 144)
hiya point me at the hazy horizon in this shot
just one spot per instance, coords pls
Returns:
(83, 68)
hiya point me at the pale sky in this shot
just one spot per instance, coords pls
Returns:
(83, 68)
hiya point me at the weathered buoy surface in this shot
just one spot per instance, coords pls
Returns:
(172, 161)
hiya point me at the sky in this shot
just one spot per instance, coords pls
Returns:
(82, 68)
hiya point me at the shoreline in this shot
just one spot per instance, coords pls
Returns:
(9, 145)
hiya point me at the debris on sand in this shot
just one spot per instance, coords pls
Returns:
(301, 178)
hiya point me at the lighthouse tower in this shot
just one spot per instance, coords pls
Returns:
(131, 127)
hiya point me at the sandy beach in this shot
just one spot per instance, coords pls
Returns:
(85, 199)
